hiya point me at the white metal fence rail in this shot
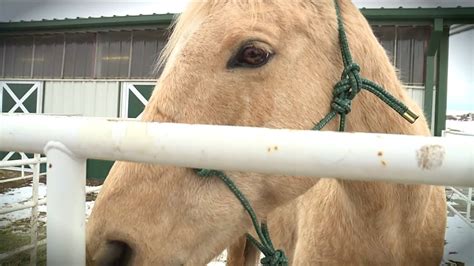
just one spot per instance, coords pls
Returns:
(68, 141)
(463, 194)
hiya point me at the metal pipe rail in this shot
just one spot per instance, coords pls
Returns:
(22, 206)
(356, 156)
(20, 178)
(68, 141)
(464, 215)
(20, 162)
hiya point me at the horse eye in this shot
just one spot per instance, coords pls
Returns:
(250, 56)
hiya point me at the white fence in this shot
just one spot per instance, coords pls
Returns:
(33, 204)
(462, 194)
(68, 141)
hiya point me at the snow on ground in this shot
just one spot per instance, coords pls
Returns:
(19, 195)
(23, 195)
(459, 241)
(464, 126)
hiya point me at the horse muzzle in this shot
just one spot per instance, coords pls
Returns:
(112, 253)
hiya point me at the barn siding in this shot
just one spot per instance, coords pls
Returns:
(417, 94)
(84, 98)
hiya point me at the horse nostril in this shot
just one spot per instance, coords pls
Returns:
(114, 253)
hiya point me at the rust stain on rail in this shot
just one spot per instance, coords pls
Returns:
(272, 149)
(430, 156)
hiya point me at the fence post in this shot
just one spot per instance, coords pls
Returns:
(34, 210)
(66, 242)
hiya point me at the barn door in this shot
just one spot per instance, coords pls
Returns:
(134, 97)
(20, 97)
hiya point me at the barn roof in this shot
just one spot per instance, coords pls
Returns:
(68, 14)
(17, 10)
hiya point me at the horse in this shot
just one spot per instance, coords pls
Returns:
(267, 64)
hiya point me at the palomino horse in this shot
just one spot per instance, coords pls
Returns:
(268, 64)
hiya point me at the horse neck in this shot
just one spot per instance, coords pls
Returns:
(370, 114)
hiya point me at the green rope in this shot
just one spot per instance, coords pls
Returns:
(352, 83)
(345, 90)
(272, 257)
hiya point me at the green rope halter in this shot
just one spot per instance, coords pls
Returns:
(352, 83)
(272, 256)
(345, 90)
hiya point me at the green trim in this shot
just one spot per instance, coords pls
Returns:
(87, 23)
(135, 106)
(433, 47)
(435, 37)
(19, 90)
(459, 15)
(429, 87)
(442, 89)
(98, 169)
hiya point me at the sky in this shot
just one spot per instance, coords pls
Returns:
(461, 73)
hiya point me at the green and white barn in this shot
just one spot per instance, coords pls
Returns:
(98, 58)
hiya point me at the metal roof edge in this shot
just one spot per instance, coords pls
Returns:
(457, 15)
(85, 23)
(454, 15)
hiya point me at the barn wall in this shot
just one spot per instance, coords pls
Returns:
(85, 98)
(417, 94)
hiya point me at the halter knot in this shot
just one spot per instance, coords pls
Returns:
(346, 89)
(341, 104)
(351, 74)
(278, 258)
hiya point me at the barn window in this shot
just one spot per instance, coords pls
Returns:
(146, 47)
(82, 55)
(79, 55)
(113, 54)
(48, 56)
(406, 47)
(386, 37)
(412, 45)
(18, 56)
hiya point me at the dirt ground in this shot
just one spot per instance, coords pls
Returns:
(17, 233)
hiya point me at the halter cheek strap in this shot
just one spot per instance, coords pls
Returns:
(344, 92)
